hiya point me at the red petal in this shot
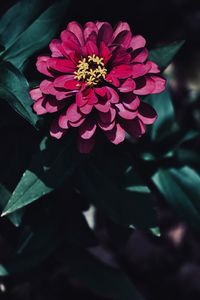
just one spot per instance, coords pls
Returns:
(87, 130)
(105, 33)
(52, 105)
(90, 28)
(41, 65)
(108, 117)
(60, 81)
(123, 38)
(62, 65)
(130, 101)
(112, 95)
(70, 42)
(35, 94)
(56, 131)
(39, 106)
(106, 126)
(86, 109)
(116, 135)
(55, 47)
(154, 67)
(72, 85)
(125, 113)
(127, 86)
(160, 84)
(148, 86)
(102, 106)
(91, 48)
(137, 42)
(73, 113)
(134, 127)
(139, 69)
(122, 71)
(121, 26)
(140, 55)
(105, 52)
(76, 28)
(146, 113)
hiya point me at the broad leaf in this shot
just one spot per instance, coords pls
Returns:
(181, 189)
(52, 164)
(38, 35)
(17, 19)
(14, 89)
(130, 203)
(165, 54)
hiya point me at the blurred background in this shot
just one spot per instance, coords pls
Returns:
(165, 267)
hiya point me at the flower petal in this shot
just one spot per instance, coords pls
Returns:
(116, 135)
(130, 101)
(42, 66)
(76, 28)
(124, 113)
(60, 81)
(56, 48)
(145, 86)
(73, 114)
(134, 127)
(56, 131)
(105, 52)
(39, 106)
(87, 129)
(123, 39)
(121, 26)
(137, 42)
(90, 28)
(61, 64)
(70, 42)
(35, 94)
(146, 113)
(105, 33)
(160, 84)
(140, 69)
(140, 55)
(112, 95)
(108, 117)
(127, 86)
(122, 71)
(52, 105)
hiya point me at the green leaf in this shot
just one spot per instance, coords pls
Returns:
(181, 189)
(165, 123)
(125, 203)
(102, 279)
(17, 19)
(50, 167)
(165, 54)
(15, 217)
(37, 35)
(15, 90)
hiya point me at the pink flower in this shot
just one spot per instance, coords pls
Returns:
(95, 76)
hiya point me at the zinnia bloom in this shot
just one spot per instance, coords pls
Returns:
(95, 76)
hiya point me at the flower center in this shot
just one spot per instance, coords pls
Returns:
(91, 70)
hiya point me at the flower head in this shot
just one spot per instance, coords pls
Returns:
(95, 76)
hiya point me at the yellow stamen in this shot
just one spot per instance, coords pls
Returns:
(91, 70)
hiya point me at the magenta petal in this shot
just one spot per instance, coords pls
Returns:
(85, 146)
(91, 48)
(78, 123)
(60, 81)
(73, 113)
(52, 105)
(101, 91)
(106, 126)
(105, 33)
(112, 95)
(86, 109)
(123, 39)
(127, 86)
(147, 87)
(56, 131)
(35, 94)
(139, 69)
(122, 71)
(55, 47)
(135, 127)
(72, 85)
(76, 28)
(105, 52)
(62, 65)
(39, 106)
(90, 28)
(63, 121)
(131, 101)
(160, 84)
(87, 130)
(146, 113)
(137, 42)
(154, 67)
(125, 113)
(46, 86)
(121, 26)
(140, 55)
(42, 66)
(102, 106)
(116, 135)
(108, 117)
(70, 42)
